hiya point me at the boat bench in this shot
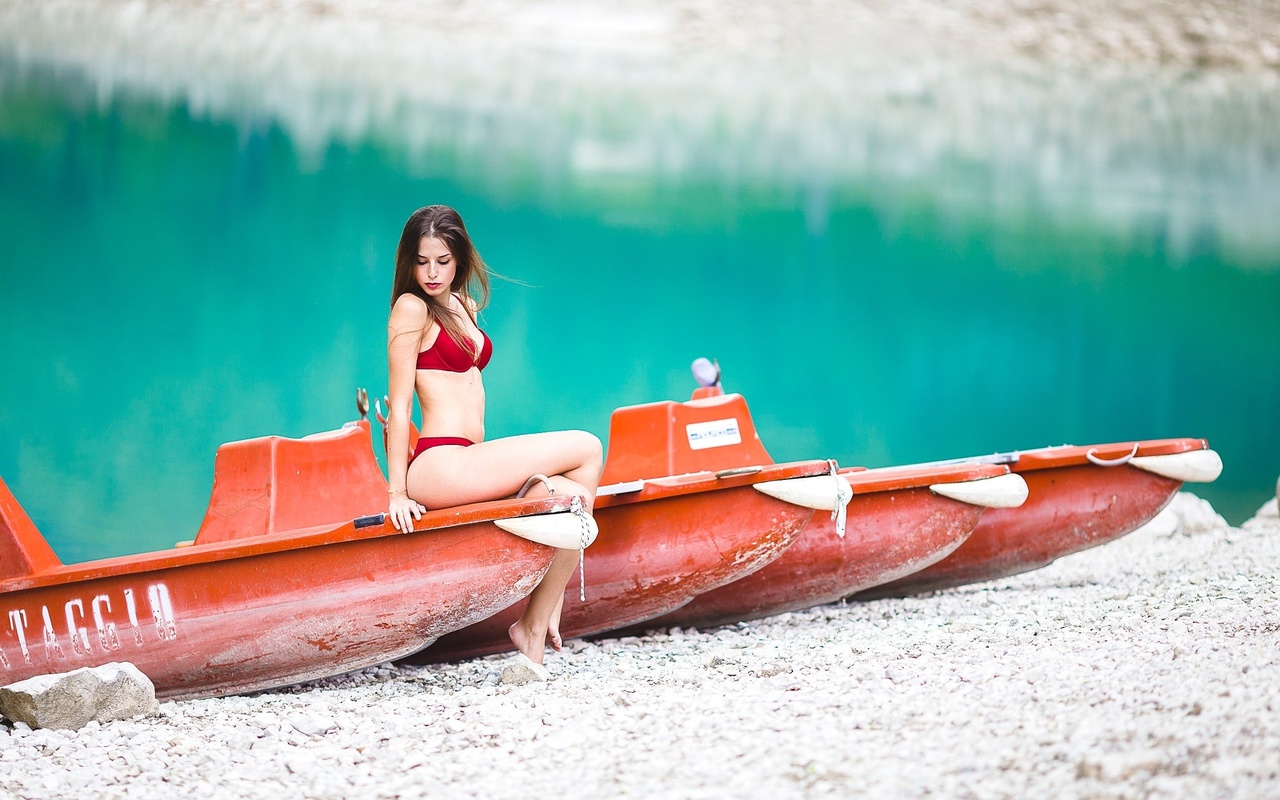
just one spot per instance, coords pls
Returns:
(273, 484)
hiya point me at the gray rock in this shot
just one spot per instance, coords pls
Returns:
(70, 700)
(524, 671)
(313, 724)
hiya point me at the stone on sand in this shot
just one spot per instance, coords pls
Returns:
(70, 700)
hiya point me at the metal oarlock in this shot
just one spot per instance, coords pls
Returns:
(844, 493)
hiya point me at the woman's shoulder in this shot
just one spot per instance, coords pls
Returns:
(409, 310)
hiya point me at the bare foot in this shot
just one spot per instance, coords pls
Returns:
(527, 642)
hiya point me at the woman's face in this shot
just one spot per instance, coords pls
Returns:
(436, 267)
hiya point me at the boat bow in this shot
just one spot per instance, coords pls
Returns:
(567, 530)
(820, 492)
(1001, 491)
(1193, 466)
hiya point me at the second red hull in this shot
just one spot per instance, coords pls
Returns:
(889, 534)
(652, 556)
(1068, 509)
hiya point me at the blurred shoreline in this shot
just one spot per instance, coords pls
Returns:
(1106, 112)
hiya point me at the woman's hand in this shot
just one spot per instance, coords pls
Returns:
(404, 511)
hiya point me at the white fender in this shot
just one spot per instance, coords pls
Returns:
(817, 492)
(562, 529)
(1193, 466)
(1002, 491)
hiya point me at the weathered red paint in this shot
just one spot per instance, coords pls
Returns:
(658, 548)
(1071, 505)
(272, 607)
(895, 526)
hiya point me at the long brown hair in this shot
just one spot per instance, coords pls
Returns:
(470, 278)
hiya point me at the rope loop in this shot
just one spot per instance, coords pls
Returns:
(576, 508)
(844, 493)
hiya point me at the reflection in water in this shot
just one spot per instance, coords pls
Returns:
(890, 271)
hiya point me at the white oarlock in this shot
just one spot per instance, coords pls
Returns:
(1193, 466)
(563, 529)
(818, 492)
(1002, 491)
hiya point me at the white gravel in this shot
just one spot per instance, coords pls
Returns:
(1146, 668)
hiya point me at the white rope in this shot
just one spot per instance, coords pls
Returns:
(844, 493)
(575, 506)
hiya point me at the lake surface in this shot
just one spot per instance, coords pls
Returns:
(172, 280)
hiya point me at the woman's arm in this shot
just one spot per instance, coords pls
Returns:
(409, 319)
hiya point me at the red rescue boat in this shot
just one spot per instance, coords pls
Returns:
(895, 521)
(665, 540)
(275, 589)
(1080, 497)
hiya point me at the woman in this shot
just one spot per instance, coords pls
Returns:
(436, 350)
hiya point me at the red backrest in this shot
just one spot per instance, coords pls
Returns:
(274, 484)
(669, 438)
(23, 551)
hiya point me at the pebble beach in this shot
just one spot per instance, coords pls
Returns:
(1149, 667)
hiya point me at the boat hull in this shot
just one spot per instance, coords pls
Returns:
(656, 551)
(257, 620)
(888, 534)
(1068, 509)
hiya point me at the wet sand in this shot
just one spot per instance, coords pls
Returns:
(1149, 667)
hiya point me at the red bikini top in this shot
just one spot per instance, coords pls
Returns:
(447, 355)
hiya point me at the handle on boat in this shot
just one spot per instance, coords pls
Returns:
(1110, 462)
(535, 478)
(369, 521)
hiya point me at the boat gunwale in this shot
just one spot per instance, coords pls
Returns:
(284, 541)
(703, 481)
(1069, 455)
(915, 476)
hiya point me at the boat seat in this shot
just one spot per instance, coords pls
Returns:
(713, 432)
(23, 551)
(273, 484)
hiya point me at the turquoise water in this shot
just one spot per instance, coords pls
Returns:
(171, 282)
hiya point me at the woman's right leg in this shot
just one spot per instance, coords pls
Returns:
(452, 475)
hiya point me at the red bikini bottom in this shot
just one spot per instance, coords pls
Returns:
(427, 442)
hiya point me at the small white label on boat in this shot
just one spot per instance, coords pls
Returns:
(717, 433)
